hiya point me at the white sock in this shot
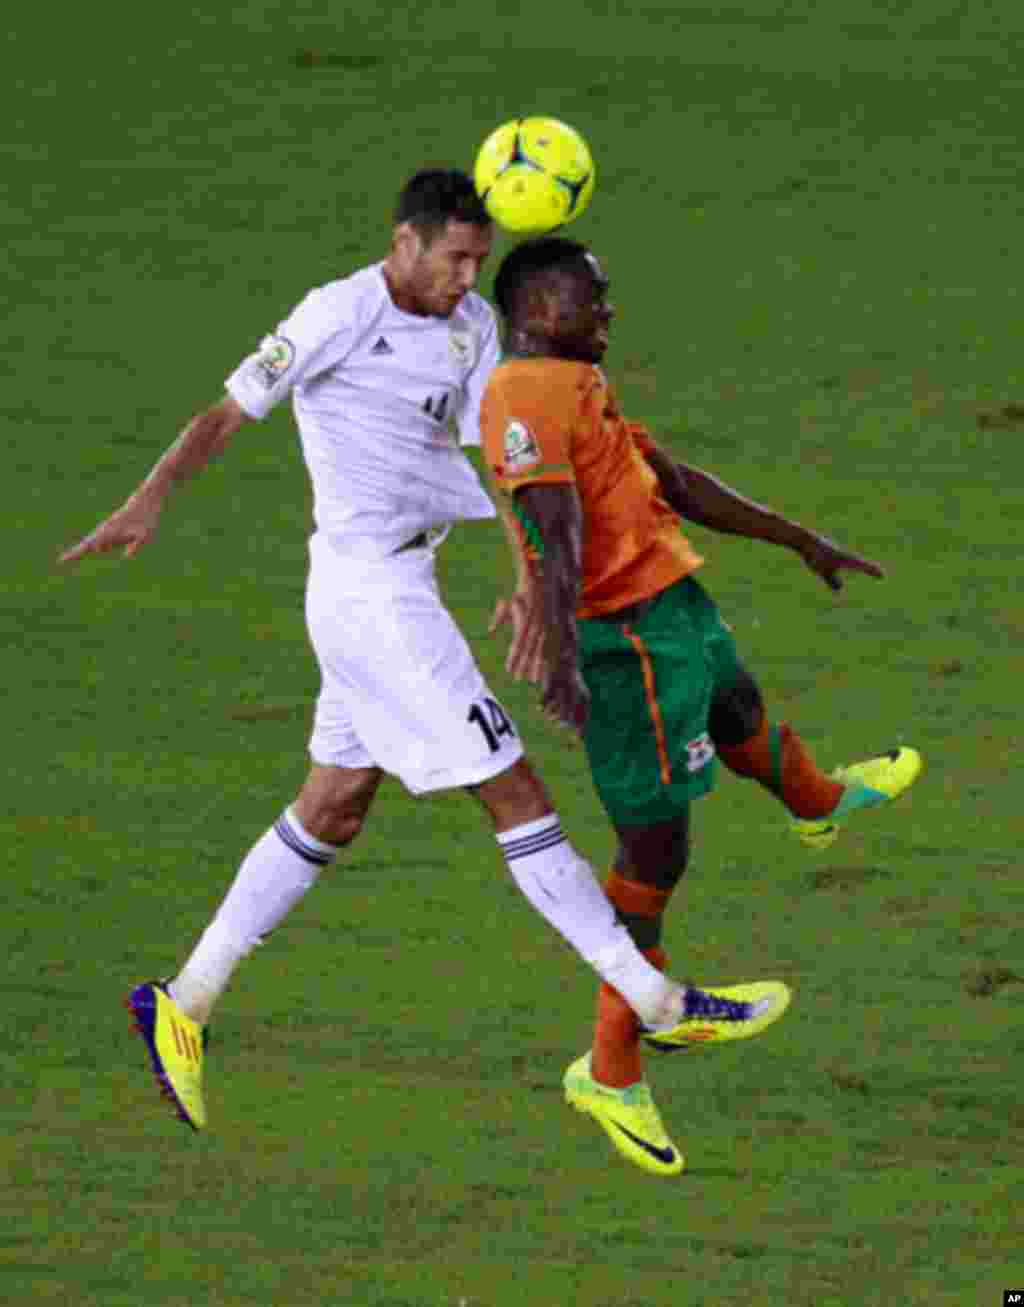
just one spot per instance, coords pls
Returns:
(276, 873)
(563, 889)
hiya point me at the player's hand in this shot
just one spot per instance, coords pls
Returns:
(525, 658)
(825, 558)
(566, 699)
(132, 526)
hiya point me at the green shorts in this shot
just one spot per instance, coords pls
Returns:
(652, 670)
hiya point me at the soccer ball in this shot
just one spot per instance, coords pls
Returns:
(534, 174)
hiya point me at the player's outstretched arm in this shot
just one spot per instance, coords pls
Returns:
(135, 522)
(700, 497)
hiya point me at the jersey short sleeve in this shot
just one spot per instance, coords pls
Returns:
(315, 337)
(529, 417)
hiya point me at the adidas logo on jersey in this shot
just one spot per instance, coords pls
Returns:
(381, 347)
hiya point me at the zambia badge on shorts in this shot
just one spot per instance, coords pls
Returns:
(699, 752)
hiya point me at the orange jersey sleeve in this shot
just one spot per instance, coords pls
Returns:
(528, 418)
(556, 421)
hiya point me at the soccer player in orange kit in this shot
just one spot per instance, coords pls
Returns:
(630, 648)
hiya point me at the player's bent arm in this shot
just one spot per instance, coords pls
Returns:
(557, 515)
(205, 438)
(521, 611)
(524, 575)
(700, 497)
(133, 524)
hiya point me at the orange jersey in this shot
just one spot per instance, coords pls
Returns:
(554, 421)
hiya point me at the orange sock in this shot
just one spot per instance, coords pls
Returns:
(778, 758)
(615, 1056)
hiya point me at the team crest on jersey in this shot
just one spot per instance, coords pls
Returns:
(463, 347)
(521, 450)
(277, 354)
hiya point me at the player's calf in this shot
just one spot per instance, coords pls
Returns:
(334, 801)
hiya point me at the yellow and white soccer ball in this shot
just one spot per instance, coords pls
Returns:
(534, 174)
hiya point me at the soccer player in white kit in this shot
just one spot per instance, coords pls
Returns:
(377, 364)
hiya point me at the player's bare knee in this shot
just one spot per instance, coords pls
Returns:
(736, 713)
(337, 825)
(333, 804)
(655, 855)
(515, 796)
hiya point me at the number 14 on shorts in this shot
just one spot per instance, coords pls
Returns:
(492, 719)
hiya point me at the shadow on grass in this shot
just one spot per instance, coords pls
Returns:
(846, 878)
(987, 981)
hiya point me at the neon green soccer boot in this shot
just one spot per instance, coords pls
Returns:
(628, 1117)
(877, 780)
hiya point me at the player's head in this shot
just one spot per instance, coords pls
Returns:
(442, 235)
(553, 295)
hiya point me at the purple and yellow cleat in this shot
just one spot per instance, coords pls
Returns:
(176, 1046)
(726, 1012)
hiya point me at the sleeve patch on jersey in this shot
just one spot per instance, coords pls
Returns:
(463, 347)
(277, 354)
(521, 450)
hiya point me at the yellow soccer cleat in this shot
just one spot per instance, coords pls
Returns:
(628, 1116)
(869, 783)
(730, 1012)
(175, 1043)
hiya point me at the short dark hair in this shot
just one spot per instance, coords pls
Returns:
(528, 263)
(433, 197)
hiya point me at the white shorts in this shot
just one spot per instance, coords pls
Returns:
(400, 688)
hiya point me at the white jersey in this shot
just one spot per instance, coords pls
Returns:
(374, 390)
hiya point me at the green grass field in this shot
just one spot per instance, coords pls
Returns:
(811, 214)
